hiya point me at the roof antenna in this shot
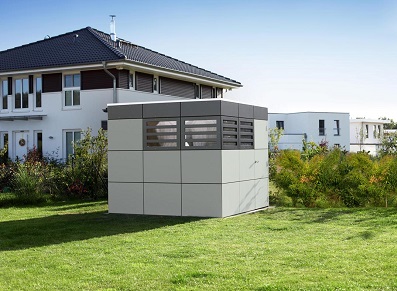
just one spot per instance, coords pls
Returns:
(113, 28)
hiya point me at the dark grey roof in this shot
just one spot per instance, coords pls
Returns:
(87, 46)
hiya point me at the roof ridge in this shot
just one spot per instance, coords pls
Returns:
(94, 32)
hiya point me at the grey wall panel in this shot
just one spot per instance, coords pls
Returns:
(129, 111)
(230, 199)
(201, 108)
(162, 166)
(261, 113)
(126, 198)
(262, 193)
(159, 110)
(163, 199)
(247, 165)
(245, 111)
(199, 166)
(125, 134)
(229, 109)
(247, 196)
(125, 166)
(203, 200)
(261, 164)
(230, 166)
(260, 134)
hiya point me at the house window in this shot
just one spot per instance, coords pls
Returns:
(280, 124)
(21, 93)
(337, 128)
(104, 124)
(39, 142)
(337, 145)
(379, 131)
(72, 90)
(39, 89)
(4, 142)
(366, 131)
(4, 94)
(71, 138)
(374, 133)
(321, 127)
(131, 80)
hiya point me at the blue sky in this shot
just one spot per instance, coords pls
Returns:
(289, 55)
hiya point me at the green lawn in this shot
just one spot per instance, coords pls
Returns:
(70, 246)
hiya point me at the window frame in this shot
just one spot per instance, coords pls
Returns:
(280, 124)
(66, 88)
(66, 145)
(337, 127)
(36, 92)
(24, 94)
(4, 98)
(321, 129)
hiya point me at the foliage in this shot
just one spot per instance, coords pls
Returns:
(391, 125)
(275, 135)
(87, 168)
(82, 176)
(28, 181)
(388, 145)
(334, 177)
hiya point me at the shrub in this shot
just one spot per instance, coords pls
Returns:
(27, 182)
(87, 168)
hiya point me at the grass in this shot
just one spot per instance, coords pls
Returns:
(72, 246)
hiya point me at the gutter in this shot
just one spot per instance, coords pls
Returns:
(115, 99)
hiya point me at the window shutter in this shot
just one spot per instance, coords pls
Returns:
(178, 88)
(9, 85)
(52, 82)
(144, 82)
(206, 92)
(30, 84)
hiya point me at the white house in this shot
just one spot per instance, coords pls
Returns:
(366, 134)
(332, 127)
(54, 88)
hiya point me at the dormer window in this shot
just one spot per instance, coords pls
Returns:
(71, 90)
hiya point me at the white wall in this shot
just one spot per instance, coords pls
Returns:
(297, 125)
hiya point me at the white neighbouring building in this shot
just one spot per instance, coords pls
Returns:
(53, 89)
(317, 127)
(366, 134)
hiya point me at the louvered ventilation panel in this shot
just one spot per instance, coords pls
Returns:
(161, 134)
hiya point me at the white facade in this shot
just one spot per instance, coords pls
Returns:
(332, 127)
(366, 134)
(47, 126)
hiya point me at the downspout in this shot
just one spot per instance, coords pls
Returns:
(115, 99)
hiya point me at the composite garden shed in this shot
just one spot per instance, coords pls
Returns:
(204, 158)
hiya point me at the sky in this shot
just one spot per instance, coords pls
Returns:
(290, 56)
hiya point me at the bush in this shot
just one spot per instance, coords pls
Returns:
(87, 168)
(333, 178)
(27, 182)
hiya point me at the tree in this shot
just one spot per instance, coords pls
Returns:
(391, 125)
(388, 145)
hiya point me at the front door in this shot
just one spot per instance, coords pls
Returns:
(21, 144)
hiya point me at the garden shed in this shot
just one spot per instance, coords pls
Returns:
(205, 158)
